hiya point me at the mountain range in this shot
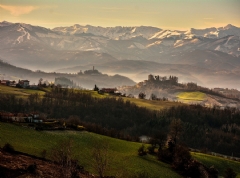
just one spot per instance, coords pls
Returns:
(210, 57)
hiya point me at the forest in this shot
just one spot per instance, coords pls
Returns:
(209, 129)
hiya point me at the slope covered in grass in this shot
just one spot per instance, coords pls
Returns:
(123, 154)
(20, 92)
(191, 96)
(220, 163)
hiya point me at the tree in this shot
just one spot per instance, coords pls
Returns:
(142, 150)
(229, 173)
(141, 95)
(175, 129)
(62, 154)
(100, 157)
(181, 158)
(153, 97)
(95, 88)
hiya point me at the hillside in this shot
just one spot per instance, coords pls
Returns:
(125, 160)
(190, 93)
(129, 118)
(88, 81)
(186, 67)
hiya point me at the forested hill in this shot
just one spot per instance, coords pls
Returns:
(203, 128)
(8, 71)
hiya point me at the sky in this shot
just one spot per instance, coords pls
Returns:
(166, 14)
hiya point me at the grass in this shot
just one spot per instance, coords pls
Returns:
(20, 92)
(153, 105)
(191, 96)
(220, 163)
(123, 154)
(124, 158)
(149, 104)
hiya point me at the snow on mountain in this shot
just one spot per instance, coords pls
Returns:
(109, 32)
(136, 43)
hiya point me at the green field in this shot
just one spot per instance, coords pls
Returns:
(188, 97)
(20, 92)
(220, 163)
(153, 105)
(124, 158)
(123, 154)
(149, 104)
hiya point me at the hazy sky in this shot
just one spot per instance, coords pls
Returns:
(170, 14)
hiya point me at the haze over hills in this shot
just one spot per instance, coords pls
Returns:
(82, 80)
(198, 55)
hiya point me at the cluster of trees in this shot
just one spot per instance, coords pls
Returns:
(203, 128)
(168, 148)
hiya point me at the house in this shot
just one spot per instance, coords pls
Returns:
(144, 139)
(19, 117)
(23, 83)
(6, 117)
(108, 90)
(5, 82)
(35, 118)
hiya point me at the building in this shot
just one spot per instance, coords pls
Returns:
(108, 90)
(23, 83)
(150, 77)
(5, 82)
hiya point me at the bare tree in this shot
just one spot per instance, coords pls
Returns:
(175, 129)
(100, 157)
(62, 154)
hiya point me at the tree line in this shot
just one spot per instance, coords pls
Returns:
(204, 128)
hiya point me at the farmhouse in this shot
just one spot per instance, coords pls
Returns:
(23, 83)
(20, 117)
(5, 82)
(108, 90)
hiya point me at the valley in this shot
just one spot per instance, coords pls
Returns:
(132, 99)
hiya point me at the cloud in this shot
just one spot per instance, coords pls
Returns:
(18, 10)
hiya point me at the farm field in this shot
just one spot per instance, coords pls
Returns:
(188, 97)
(153, 105)
(19, 92)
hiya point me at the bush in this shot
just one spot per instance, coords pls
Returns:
(151, 149)
(181, 158)
(142, 150)
(32, 168)
(165, 155)
(229, 173)
(8, 148)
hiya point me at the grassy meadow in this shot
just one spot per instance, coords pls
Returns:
(19, 92)
(149, 104)
(123, 154)
(220, 163)
(188, 97)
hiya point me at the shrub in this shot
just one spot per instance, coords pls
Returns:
(8, 148)
(181, 158)
(142, 150)
(229, 173)
(151, 149)
(32, 168)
